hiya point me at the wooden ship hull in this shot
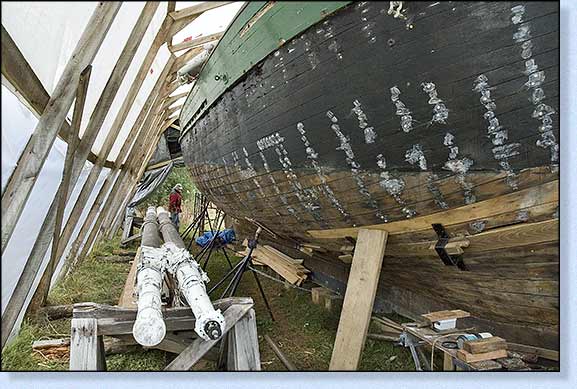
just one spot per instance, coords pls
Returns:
(322, 118)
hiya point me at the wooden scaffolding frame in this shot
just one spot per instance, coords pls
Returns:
(155, 117)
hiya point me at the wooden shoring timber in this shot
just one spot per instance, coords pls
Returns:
(185, 58)
(140, 131)
(170, 111)
(23, 178)
(243, 353)
(523, 234)
(199, 347)
(128, 186)
(135, 131)
(126, 299)
(117, 321)
(184, 17)
(171, 100)
(196, 9)
(359, 298)
(85, 350)
(116, 219)
(196, 42)
(24, 83)
(94, 126)
(35, 153)
(533, 196)
(169, 89)
(64, 187)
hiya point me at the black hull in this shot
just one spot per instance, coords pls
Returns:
(312, 139)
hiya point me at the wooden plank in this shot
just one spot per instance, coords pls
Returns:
(468, 357)
(185, 58)
(84, 353)
(132, 238)
(140, 129)
(199, 347)
(23, 178)
(27, 87)
(541, 352)
(483, 209)
(64, 188)
(196, 9)
(32, 159)
(445, 315)
(243, 344)
(485, 345)
(126, 298)
(196, 42)
(448, 362)
(359, 297)
(280, 355)
(173, 344)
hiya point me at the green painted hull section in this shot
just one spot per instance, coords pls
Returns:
(241, 48)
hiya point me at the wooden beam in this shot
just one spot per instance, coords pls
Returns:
(84, 350)
(243, 353)
(64, 184)
(525, 198)
(540, 352)
(171, 100)
(196, 42)
(359, 299)
(24, 83)
(127, 296)
(32, 159)
(186, 57)
(196, 10)
(23, 178)
(139, 131)
(94, 126)
(199, 347)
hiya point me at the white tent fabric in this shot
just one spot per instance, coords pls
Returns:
(46, 34)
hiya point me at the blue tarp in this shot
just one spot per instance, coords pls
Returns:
(226, 236)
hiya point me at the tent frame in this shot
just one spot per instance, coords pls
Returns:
(107, 209)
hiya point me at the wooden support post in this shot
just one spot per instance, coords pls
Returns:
(95, 123)
(359, 299)
(243, 353)
(199, 347)
(44, 285)
(32, 159)
(132, 150)
(196, 42)
(86, 351)
(448, 362)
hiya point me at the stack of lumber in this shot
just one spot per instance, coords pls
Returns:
(287, 267)
(483, 349)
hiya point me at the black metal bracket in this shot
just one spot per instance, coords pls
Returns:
(448, 260)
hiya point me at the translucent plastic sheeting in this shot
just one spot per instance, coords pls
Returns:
(46, 33)
(17, 125)
(210, 22)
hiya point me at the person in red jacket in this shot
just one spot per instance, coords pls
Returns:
(174, 202)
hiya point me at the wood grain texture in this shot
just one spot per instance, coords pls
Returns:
(193, 353)
(243, 351)
(359, 298)
(84, 349)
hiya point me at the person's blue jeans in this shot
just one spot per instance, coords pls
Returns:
(175, 219)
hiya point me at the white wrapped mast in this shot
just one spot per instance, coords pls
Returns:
(191, 280)
(149, 328)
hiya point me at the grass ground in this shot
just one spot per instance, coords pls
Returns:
(303, 331)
